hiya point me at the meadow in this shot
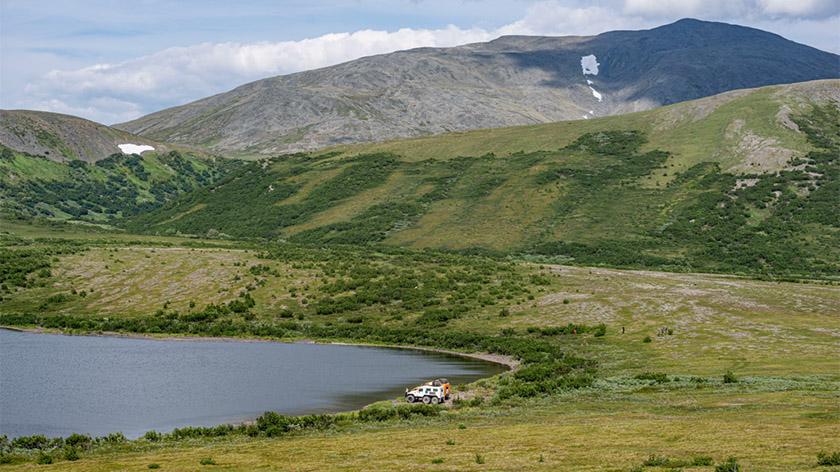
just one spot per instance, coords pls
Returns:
(746, 368)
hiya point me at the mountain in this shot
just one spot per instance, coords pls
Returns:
(65, 137)
(69, 168)
(513, 80)
(743, 181)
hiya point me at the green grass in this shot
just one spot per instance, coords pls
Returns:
(120, 185)
(659, 189)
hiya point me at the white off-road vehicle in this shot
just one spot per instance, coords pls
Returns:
(427, 394)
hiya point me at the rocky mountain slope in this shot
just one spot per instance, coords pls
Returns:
(65, 137)
(743, 181)
(510, 81)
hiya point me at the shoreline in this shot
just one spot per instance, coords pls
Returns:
(507, 361)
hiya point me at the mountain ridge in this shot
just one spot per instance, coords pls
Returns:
(65, 137)
(746, 181)
(511, 80)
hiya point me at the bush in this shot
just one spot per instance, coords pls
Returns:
(115, 438)
(653, 460)
(729, 378)
(647, 339)
(152, 436)
(731, 465)
(479, 459)
(437, 461)
(207, 461)
(702, 461)
(78, 440)
(824, 458)
(153, 466)
(71, 453)
(44, 458)
(658, 377)
(38, 441)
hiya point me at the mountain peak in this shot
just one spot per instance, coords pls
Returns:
(511, 80)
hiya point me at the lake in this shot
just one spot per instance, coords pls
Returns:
(56, 385)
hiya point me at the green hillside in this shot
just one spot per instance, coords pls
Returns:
(110, 188)
(745, 181)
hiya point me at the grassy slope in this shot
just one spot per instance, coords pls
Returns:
(117, 186)
(419, 193)
(781, 340)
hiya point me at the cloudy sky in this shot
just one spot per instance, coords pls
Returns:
(112, 61)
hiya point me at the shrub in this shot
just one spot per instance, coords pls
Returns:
(731, 465)
(658, 377)
(729, 377)
(207, 461)
(30, 442)
(647, 339)
(702, 461)
(653, 460)
(450, 442)
(462, 426)
(78, 440)
(153, 466)
(479, 459)
(71, 453)
(115, 438)
(437, 461)
(44, 458)
(152, 436)
(824, 458)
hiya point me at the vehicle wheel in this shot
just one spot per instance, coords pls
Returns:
(435, 400)
(427, 400)
(410, 398)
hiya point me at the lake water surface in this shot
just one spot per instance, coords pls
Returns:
(57, 385)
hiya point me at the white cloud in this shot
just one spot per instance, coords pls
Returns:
(800, 8)
(552, 18)
(180, 74)
(752, 9)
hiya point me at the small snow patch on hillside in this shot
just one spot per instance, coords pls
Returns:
(589, 64)
(596, 94)
(134, 148)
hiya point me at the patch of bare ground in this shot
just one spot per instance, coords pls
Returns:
(710, 315)
(696, 111)
(137, 280)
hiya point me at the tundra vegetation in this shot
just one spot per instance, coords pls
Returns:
(620, 369)
(669, 401)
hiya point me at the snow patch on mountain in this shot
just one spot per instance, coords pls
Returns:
(589, 64)
(134, 148)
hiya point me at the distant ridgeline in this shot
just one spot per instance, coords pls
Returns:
(594, 201)
(117, 186)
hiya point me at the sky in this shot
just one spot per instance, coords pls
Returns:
(112, 61)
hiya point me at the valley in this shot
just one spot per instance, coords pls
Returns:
(644, 226)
